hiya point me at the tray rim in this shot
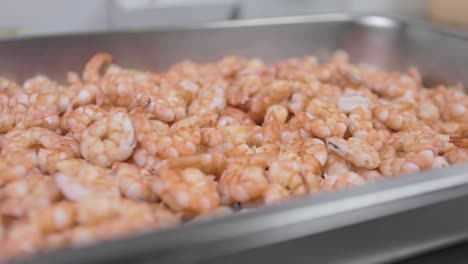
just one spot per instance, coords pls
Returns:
(358, 17)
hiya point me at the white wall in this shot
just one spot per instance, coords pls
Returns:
(53, 16)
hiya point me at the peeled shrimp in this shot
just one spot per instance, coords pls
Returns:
(354, 150)
(323, 120)
(133, 182)
(78, 179)
(407, 152)
(108, 141)
(187, 190)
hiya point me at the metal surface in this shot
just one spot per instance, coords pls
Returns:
(388, 220)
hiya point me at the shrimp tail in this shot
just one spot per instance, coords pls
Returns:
(459, 142)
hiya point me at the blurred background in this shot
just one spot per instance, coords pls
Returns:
(33, 17)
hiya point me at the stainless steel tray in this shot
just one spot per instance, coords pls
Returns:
(385, 221)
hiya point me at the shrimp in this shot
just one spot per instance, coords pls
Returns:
(183, 139)
(144, 159)
(85, 94)
(275, 193)
(459, 142)
(343, 180)
(108, 141)
(232, 131)
(187, 190)
(240, 116)
(38, 115)
(78, 179)
(393, 117)
(143, 125)
(76, 121)
(274, 93)
(428, 112)
(16, 164)
(369, 174)
(52, 147)
(407, 152)
(355, 151)
(298, 167)
(452, 103)
(209, 163)
(347, 103)
(391, 85)
(134, 183)
(243, 89)
(360, 126)
(166, 106)
(96, 66)
(67, 149)
(30, 192)
(323, 120)
(209, 103)
(241, 183)
(56, 218)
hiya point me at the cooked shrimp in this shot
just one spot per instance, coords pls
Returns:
(108, 141)
(459, 142)
(360, 126)
(183, 139)
(16, 164)
(30, 192)
(67, 149)
(78, 179)
(58, 217)
(209, 103)
(187, 190)
(275, 193)
(241, 183)
(323, 120)
(76, 121)
(276, 92)
(393, 117)
(354, 150)
(299, 167)
(408, 152)
(133, 182)
(342, 180)
(96, 65)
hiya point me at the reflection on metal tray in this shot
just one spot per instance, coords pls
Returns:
(388, 220)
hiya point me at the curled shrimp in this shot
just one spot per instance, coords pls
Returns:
(242, 183)
(354, 150)
(96, 65)
(393, 117)
(56, 218)
(323, 120)
(48, 146)
(16, 164)
(30, 192)
(76, 121)
(133, 182)
(187, 190)
(78, 179)
(182, 139)
(209, 103)
(108, 141)
(407, 152)
(360, 126)
(274, 93)
(298, 167)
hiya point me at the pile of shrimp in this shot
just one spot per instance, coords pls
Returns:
(117, 151)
